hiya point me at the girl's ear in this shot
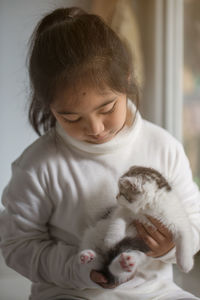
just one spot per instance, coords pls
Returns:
(129, 78)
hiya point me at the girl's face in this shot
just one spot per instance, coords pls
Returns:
(91, 116)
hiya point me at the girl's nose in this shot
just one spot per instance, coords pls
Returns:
(94, 126)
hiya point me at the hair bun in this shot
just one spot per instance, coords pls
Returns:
(74, 12)
(58, 16)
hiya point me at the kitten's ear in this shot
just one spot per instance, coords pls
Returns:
(124, 182)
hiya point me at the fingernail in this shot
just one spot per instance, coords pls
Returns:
(103, 279)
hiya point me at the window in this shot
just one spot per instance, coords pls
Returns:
(166, 35)
(191, 85)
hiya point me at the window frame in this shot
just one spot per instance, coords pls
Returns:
(163, 89)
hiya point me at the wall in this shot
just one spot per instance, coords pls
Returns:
(17, 20)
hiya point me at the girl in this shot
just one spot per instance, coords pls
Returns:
(82, 86)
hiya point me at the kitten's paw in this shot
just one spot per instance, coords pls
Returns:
(124, 263)
(86, 256)
(127, 262)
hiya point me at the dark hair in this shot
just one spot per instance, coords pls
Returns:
(70, 47)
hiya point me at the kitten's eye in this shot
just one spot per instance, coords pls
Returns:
(135, 189)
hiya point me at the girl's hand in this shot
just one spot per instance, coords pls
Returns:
(159, 239)
(100, 279)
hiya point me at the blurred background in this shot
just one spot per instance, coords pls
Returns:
(164, 37)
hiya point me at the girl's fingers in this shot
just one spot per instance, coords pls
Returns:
(108, 286)
(97, 277)
(160, 227)
(100, 279)
(157, 237)
(154, 233)
(147, 238)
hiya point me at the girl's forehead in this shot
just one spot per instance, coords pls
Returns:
(83, 96)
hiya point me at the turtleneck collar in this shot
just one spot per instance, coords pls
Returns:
(124, 137)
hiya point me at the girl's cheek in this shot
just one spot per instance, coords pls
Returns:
(74, 131)
(120, 118)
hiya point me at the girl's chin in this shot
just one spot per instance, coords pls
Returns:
(104, 139)
(101, 140)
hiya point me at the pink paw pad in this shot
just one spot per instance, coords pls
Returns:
(126, 262)
(86, 257)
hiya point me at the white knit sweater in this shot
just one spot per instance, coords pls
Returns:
(60, 185)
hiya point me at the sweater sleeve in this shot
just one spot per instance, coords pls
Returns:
(25, 241)
(180, 176)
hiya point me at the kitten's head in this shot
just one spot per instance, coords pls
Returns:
(139, 186)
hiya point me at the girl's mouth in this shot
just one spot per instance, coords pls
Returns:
(99, 139)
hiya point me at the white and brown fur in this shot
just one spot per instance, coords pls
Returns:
(112, 246)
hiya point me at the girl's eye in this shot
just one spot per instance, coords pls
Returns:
(71, 120)
(112, 109)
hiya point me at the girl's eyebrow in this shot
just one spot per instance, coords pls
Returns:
(76, 113)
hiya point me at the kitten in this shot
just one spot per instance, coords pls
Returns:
(112, 244)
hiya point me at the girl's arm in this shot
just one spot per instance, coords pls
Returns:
(26, 242)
